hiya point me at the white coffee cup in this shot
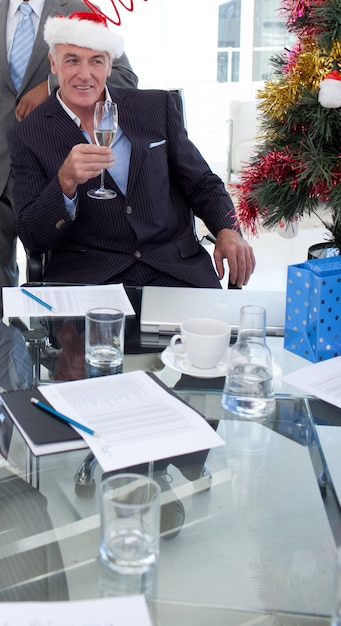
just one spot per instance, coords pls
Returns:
(203, 341)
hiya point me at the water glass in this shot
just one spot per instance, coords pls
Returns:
(249, 390)
(104, 342)
(130, 527)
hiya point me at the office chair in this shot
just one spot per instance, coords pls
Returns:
(242, 135)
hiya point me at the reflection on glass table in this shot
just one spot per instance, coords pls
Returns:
(258, 541)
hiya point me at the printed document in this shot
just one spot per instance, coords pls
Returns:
(320, 379)
(136, 418)
(68, 301)
(124, 611)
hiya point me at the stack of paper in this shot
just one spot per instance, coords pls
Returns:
(69, 301)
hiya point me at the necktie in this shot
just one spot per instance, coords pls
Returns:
(22, 45)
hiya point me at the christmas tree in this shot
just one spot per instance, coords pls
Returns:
(297, 165)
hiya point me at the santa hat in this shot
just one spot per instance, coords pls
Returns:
(84, 29)
(329, 95)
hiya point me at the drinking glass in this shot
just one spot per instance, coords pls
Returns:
(130, 533)
(104, 342)
(105, 128)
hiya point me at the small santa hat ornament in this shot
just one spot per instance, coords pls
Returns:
(330, 89)
(85, 29)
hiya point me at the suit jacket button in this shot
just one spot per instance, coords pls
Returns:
(129, 210)
(60, 223)
(137, 254)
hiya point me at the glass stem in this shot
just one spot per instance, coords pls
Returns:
(102, 181)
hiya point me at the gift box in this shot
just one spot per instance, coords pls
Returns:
(313, 309)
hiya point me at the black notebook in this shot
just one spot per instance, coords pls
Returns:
(43, 433)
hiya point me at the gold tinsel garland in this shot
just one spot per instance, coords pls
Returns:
(312, 65)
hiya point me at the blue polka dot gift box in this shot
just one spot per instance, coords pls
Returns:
(313, 309)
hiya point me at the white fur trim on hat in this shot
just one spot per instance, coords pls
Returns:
(330, 93)
(82, 33)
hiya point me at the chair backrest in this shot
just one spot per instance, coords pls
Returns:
(178, 95)
(242, 134)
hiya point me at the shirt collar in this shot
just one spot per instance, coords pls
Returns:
(71, 114)
(37, 6)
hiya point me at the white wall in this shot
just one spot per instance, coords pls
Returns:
(173, 43)
(170, 41)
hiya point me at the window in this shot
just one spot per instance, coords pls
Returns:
(214, 50)
(269, 36)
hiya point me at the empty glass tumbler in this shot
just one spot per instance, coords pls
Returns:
(249, 390)
(104, 342)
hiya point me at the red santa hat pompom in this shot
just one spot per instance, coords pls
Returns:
(330, 90)
(84, 29)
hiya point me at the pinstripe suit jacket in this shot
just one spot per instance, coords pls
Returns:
(37, 71)
(152, 223)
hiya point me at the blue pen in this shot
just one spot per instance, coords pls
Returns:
(62, 417)
(36, 299)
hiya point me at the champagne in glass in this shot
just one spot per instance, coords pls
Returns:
(104, 137)
(105, 127)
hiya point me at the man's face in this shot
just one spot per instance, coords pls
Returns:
(82, 74)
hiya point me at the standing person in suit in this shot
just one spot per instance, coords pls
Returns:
(145, 234)
(17, 103)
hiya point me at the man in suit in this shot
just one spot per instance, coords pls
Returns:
(15, 105)
(145, 234)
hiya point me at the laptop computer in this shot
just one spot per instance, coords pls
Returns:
(164, 308)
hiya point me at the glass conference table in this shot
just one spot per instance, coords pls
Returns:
(257, 546)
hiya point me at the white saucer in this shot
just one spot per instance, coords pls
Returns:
(185, 367)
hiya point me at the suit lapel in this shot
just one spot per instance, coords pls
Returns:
(129, 124)
(62, 123)
(4, 69)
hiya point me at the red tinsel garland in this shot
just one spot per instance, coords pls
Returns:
(274, 165)
(296, 11)
(296, 8)
(290, 57)
(277, 166)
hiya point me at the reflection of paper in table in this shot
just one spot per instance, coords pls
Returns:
(138, 420)
(321, 380)
(128, 611)
(68, 301)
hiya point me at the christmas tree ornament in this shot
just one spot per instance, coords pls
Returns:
(329, 95)
(288, 229)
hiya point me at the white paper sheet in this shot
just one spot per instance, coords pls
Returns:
(320, 379)
(137, 420)
(125, 611)
(67, 301)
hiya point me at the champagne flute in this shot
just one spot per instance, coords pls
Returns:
(105, 128)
